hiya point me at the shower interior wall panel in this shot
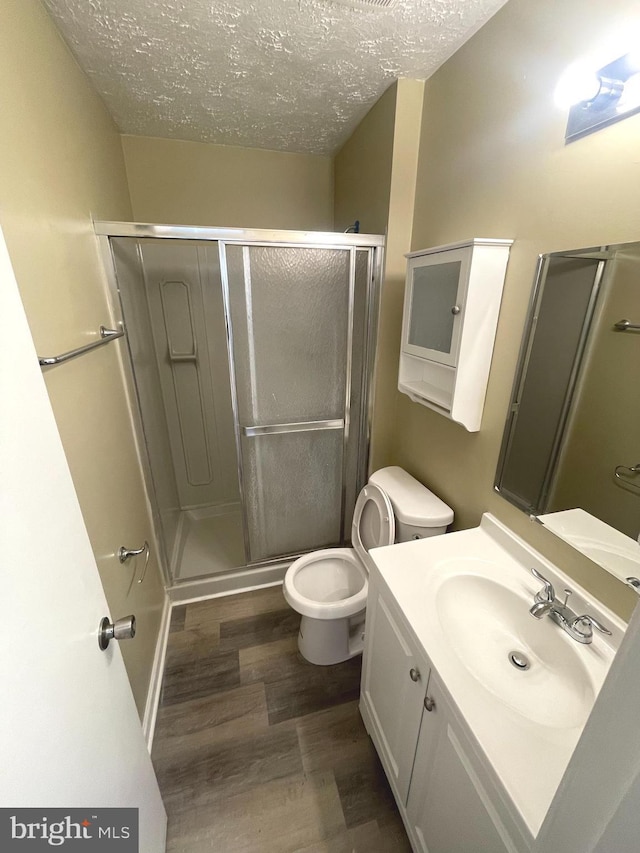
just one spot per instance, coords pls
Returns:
(182, 281)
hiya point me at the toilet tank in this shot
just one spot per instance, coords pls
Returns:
(419, 513)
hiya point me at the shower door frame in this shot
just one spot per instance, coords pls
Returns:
(275, 239)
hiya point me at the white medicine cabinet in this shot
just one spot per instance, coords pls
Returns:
(451, 305)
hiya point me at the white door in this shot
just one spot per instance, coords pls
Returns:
(69, 731)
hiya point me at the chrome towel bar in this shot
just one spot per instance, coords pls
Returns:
(626, 325)
(622, 472)
(106, 335)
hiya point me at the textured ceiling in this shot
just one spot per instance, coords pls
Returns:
(292, 75)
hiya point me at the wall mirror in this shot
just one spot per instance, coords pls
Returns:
(570, 453)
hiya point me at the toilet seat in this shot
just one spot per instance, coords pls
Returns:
(374, 523)
(333, 583)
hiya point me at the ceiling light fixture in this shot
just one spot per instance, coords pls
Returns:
(599, 98)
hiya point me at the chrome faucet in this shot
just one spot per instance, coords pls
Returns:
(579, 628)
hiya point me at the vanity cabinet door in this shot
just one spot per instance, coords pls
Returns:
(448, 807)
(394, 682)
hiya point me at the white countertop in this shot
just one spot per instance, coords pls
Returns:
(529, 756)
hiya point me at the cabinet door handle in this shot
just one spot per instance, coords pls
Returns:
(414, 674)
(429, 703)
(455, 309)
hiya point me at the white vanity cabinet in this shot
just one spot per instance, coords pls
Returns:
(449, 806)
(451, 305)
(394, 680)
(447, 798)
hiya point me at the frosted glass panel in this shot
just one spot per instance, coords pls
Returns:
(293, 484)
(435, 288)
(289, 309)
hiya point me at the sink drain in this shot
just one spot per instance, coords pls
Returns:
(519, 660)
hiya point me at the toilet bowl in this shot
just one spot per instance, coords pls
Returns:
(329, 587)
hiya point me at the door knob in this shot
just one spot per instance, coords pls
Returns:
(121, 629)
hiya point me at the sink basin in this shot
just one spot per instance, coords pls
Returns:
(484, 621)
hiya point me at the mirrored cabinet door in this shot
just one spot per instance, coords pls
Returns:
(436, 305)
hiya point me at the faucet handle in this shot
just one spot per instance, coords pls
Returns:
(547, 593)
(588, 622)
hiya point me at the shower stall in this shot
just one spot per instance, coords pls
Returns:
(251, 355)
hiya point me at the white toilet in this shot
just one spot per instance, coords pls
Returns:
(329, 587)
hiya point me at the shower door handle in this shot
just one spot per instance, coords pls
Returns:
(304, 426)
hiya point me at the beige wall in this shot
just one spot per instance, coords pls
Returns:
(362, 170)
(375, 182)
(196, 183)
(493, 163)
(60, 163)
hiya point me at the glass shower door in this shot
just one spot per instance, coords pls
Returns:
(291, 312)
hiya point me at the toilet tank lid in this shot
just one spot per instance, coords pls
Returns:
(412, 502)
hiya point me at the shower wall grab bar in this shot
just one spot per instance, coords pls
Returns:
(272, 429)
(106, 335)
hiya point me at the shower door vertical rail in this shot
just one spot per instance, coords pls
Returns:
(347, 390)
(372, 308)
(311, 416)
(226, 301)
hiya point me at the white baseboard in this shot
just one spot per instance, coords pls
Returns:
(244, 580)
(157, 671)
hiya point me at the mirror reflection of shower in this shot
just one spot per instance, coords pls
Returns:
(252, 362)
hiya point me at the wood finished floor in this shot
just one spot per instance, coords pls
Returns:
(258, 751)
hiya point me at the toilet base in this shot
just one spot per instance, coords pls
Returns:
(329, 641)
